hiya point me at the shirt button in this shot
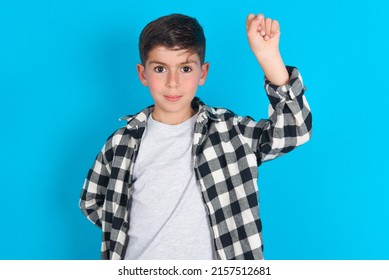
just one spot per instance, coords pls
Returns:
(125, 224)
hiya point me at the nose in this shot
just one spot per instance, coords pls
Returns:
(172, 79)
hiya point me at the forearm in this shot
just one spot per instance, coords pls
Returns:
(95, 187)
(290, 117)
(91, 204)
(289, 123)
(274, 68)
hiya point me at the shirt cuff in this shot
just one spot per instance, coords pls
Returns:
(290, 91)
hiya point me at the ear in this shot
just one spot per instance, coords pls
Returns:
(204, 73)
(141, 73)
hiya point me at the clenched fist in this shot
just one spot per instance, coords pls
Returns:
(263, 34)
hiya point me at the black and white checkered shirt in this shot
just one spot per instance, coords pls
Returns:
(227, 150)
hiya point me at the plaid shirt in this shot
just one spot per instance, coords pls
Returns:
(227, 149)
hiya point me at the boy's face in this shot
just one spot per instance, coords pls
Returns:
(172, 77)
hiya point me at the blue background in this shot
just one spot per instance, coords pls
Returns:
(67, 72)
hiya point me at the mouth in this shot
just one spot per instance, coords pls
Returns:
(172, 98)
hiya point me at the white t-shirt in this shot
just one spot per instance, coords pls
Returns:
(168, 219)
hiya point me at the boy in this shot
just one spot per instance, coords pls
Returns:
(179, 181)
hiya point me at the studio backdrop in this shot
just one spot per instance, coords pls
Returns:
(67, 73)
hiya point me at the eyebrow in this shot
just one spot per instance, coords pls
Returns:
(182, 63)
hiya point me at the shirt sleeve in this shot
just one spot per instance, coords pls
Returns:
(95, 186)
(289, 124)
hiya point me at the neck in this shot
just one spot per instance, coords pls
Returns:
(172, 118)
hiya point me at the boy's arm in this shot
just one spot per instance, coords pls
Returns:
(94, 190)
(290, 120)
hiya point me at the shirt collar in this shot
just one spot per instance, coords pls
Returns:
(140, 119)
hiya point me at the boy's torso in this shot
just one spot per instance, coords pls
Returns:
(168, 219)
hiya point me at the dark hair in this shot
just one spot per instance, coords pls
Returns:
(173, 31)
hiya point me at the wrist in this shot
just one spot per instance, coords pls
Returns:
(274, 69)
(265, 57)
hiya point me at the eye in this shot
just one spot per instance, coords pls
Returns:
(159, 69)
(186, 69)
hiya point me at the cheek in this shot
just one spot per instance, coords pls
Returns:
(154, 82)
(191, 82)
